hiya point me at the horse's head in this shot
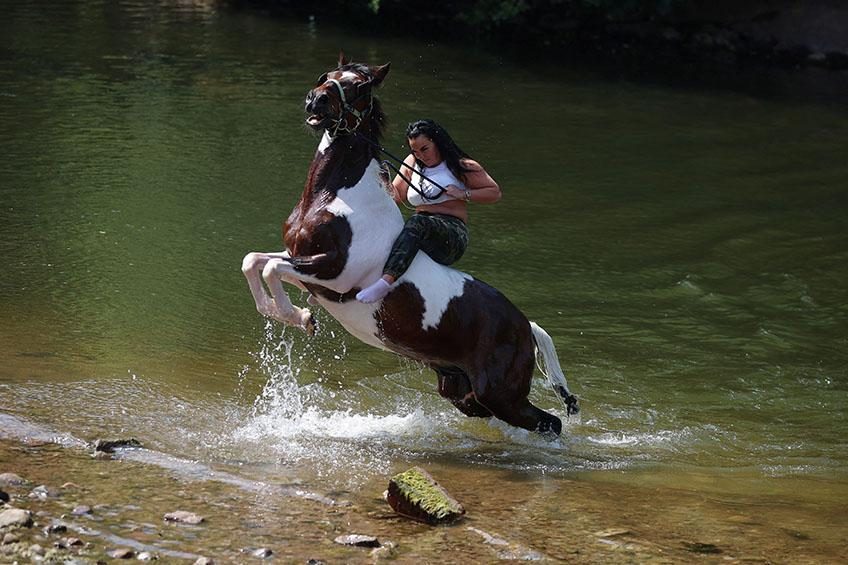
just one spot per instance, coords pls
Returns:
(342, 100)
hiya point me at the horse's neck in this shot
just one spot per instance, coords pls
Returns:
(344, 163)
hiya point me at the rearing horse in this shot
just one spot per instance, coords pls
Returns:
(337, 239)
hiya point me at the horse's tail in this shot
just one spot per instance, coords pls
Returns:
(552, 369)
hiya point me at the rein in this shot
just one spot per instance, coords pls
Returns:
(392, 166)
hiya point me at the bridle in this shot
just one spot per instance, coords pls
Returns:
(340, 127)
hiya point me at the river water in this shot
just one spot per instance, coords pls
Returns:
(684, 246)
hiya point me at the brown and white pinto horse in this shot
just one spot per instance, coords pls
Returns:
(337, 239)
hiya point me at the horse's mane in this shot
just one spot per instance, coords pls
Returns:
(376, 117)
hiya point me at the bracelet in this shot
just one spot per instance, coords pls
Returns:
(467, 195)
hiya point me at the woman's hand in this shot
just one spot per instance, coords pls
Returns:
(458, 193)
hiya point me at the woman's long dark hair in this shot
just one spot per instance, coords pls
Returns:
(448, 149)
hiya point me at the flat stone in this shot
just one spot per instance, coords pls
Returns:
(16, 517)
(358, 540)
(10, 480)
(415, 494)
(184, 517)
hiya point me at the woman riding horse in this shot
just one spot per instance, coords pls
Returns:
(338, 238)
(449, 179)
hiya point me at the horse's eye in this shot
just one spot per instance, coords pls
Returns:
(322, 79)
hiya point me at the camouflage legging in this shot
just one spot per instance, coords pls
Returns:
(442, 237)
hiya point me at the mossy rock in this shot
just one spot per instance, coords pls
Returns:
(415, 494)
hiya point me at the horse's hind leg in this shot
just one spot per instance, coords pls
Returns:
(456, 387)
(502, 387)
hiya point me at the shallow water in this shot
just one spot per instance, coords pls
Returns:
(685, 247)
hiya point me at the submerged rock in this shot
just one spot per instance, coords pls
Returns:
(15, 517)
(415, 494)
(109, 446)
(358, 540)
(184, 517)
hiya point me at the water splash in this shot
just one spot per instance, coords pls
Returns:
(312, 425)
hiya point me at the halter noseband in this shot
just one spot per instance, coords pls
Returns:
(340, 126)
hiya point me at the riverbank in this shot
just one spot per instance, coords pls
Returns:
(87, 509)
(709, 35)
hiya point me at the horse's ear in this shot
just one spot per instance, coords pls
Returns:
(380, 73)
(342, 59)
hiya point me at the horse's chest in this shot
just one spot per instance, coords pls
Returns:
(317, 230)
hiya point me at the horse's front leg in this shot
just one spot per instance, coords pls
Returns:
(253, 267)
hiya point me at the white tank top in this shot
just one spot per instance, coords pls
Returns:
(440, 174)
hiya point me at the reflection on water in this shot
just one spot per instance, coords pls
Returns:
(685, 249)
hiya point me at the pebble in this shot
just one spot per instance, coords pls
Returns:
(261, 553)
(612, 532)
(42, 492)
(81, 509)
(15, 517)
(10, 538)
(36, 549)
(184, 517)
(204, 561)
(358, 540)
(73, 542)
(121, 553)
(10, 480)
(55, 529)
(147, 556)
